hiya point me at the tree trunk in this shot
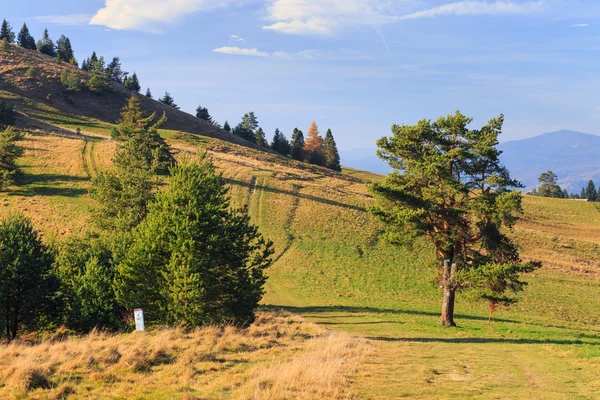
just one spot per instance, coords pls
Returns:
(447, 318)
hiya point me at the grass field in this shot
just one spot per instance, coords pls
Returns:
(333, 269)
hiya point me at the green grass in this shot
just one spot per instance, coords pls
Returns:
(333, 267)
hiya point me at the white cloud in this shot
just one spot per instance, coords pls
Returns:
(238, 51)
(147, 15)
(479, 8)
(580, 25)
(236, 38)
(325, 17)
(301, 55)
(74, 19)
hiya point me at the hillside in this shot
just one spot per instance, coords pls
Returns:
(333, 267)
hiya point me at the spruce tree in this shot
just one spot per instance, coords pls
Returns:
(203, 114)
(148, 93)
(99, 80)
(260, 138)
(583, 194)
(280, 144)
(116, 72)
(241, 131)
(249, 121)
(297, 145)
(227, 127)
(590, 191)
(132, 83)
(194, 260)
(6, 32)
(45, 45)
(168, 100)
(9, 153)
(64, 50)
(28, 286)
(25, 39)
(332, 156)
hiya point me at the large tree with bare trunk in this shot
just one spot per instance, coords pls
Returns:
(449, 186)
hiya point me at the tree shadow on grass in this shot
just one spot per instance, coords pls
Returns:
(24, 178)
(483, 340)
(49, 191)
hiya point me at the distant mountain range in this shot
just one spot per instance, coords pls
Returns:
(573, 156)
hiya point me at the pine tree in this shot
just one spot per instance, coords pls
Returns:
(194, 260)
(332, 156)
(297, 145)
(28, 286)
(148, 93)
(70, 80)
(241, 131)
(226, 127)
(583, 195)
(280, 144)
(9, 153)
(168, 100)
(249, 121)
(64, 50)
(99, 80)
(132, 83)
(25, 39)
(590, 192)
(313, 148)
(260, 138)
(203, 114)
(116, 72)
(6, 32)
(46, 46)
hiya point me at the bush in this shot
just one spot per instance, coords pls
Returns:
(31, 73)
(194, 260)
(70, 81)
(49, 97)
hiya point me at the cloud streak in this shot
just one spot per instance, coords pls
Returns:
(67, 20)
(463, 8)
(301, 55)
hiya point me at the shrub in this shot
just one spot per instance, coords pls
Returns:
(31, 73)
(49, 97)
(70, 81)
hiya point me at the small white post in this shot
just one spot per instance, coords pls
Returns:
(139, 319)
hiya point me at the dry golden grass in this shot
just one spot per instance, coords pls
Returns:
(279, 356)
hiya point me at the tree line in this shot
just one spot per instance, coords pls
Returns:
(178, 250)
(548, 187)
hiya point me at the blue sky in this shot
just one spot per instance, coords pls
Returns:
(355, 66)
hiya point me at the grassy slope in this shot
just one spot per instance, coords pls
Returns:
(332, 267)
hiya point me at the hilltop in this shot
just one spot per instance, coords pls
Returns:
(332, 266)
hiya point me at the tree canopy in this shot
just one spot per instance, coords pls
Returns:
(25, 39)
(46, 46)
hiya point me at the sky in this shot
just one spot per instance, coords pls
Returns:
(354, 66)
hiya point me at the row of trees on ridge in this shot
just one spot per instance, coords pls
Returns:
(549, 188)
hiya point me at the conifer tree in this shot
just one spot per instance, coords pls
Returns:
(590, 192)
(7, 113)
(116, 71)
(45, 45)
(226, 127)
(332, 156)
(6, 32)
(249, 121)
(297, 145)
(313, 147)
(203, 114)
(27, 283)
(194, 260)
(148, 93)
(25, 39)
(583, 194)
(99, 80)
(64, 50)
(132, 83)
(168, 100)
(241, 131)
(9, 153)
(260, 138)
(280, 144)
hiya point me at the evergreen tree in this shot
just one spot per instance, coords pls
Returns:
(46, 46)
(9, 152)
(64, 50)
(132, 83)
(203, 114)
(226, 127)
(332, 156)
(313, 148)
(549, 187)
(6, 32)
(463, 214)
(565, 194)
(280, 144)
(99, 80)
(116, 71)
(583, 195)
(148, 93)
(297, 145)
(250, 122)
(194, 260)
(244, 133)
(25, 39)
(168, 100)
(590, 192)
(260, 138)
(27, 284)
(7, 113)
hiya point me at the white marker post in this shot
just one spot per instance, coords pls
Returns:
(139, 319)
